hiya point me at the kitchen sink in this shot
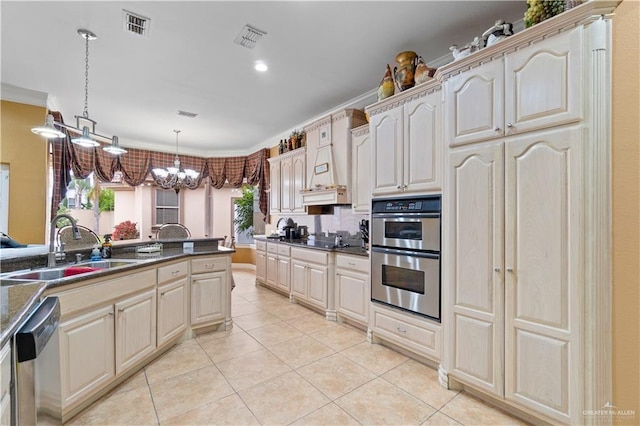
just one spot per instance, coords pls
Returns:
(67, 271)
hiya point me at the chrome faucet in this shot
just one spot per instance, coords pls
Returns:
(51, 261)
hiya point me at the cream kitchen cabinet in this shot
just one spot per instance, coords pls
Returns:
(406, 138)
(516, 217)
(173, 281)
(543, 88)
(288, 178)
(353, 288)
(278, 267)
(361, 169)
(312, 279)
(135, 329)
(211, 291)
(261, 261)
(87, 354)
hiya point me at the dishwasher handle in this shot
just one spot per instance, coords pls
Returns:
(36, 331)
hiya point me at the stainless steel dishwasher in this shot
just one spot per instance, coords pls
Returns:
(30, 342)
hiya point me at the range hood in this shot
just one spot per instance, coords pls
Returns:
(329, 158)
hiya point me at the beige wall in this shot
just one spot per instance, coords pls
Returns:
(626, 210)
(26, 155)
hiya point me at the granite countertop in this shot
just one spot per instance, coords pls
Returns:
(317, 244)
(19, 297)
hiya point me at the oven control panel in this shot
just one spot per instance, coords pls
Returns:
(407, 205)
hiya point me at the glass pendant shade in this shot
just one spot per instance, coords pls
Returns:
(48, 130)
(115, 148)
(85, 140)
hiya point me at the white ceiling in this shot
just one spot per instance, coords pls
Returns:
(320, 55)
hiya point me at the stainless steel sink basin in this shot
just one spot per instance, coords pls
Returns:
(50, 274)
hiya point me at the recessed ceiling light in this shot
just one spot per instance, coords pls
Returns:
(261, 66)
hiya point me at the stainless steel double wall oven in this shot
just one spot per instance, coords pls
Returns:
(405, 254)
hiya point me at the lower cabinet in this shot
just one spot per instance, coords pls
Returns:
(135, 329)
(261, 261)
(408, 331)
(172, 310)
(87, 354)
(211, 291)
(277, 274)
(5, 384)
(353, 288)
(312, 279)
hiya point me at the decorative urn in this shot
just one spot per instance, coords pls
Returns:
(403, 74)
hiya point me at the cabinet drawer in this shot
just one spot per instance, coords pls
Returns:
(209, 264)
(272, 247)
(284, 250)
(101, 292)
(404, 330)
(307, 255)
(172, 272)
(353, 263)
(261, 245)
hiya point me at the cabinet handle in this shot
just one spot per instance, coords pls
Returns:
(351, 264)
(401, 330)
(496, 269)
(399, 187)
(337, 274)
(175, 272)
(509, 125)
(120, 309)
(111, 313)
(162, 293)
(497, 129)
(509, 269)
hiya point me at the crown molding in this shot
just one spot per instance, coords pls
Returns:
(21, 95)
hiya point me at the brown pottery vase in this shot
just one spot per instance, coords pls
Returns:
(403, 74)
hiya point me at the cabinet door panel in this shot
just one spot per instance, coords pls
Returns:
(298, 184)
(135, 329)
(286, 183)
(353, 295)
(261, 265)
(207, 297)
(422, 143)
(274, 187)
(86, 354)
(476, 242)
(544, 279)
(172, 310)
(298, 279)
(544, 83)
(386, 136)
(272, 269)
(361, 174)
(475, 104)
(317, 276)
(284, 274)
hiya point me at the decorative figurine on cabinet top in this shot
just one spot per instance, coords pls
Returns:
(423, 72)
(466, 50)
(386, 88)
(499, 31)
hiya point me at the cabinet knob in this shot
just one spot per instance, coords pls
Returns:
(496, 269)
(120, 309)
(497, 129)
(111, 313)
(399, 187)
(337, 274)
(401, 330)
(162, 293)
(509, 125)
(509, 269)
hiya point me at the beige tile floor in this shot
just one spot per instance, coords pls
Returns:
(284, 364)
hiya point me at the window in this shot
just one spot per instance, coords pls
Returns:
(167, 207)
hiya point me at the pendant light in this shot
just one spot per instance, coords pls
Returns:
(87, 132)
(85, 140)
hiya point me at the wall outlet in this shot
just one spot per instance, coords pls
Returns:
(187, 247)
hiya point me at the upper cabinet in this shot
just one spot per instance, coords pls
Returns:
(288, 177)
(361, 169)
(535, 87)
(406, 138)
(329, 158)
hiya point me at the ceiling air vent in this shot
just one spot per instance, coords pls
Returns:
(134, 23)
(187, 114)
(248, 37)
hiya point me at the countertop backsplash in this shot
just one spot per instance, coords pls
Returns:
(342, 222)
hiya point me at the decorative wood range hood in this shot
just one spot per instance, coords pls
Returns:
(329, 158)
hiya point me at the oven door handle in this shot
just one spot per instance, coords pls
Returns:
(412, 253)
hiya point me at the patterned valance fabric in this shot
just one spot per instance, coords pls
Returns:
(137, 164)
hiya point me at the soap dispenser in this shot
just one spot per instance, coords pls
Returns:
(106, 247)
(95, 254)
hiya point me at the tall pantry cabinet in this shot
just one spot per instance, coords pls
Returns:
(526, 124)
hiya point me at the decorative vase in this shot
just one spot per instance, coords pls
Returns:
(404, 73)
(386, 88)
